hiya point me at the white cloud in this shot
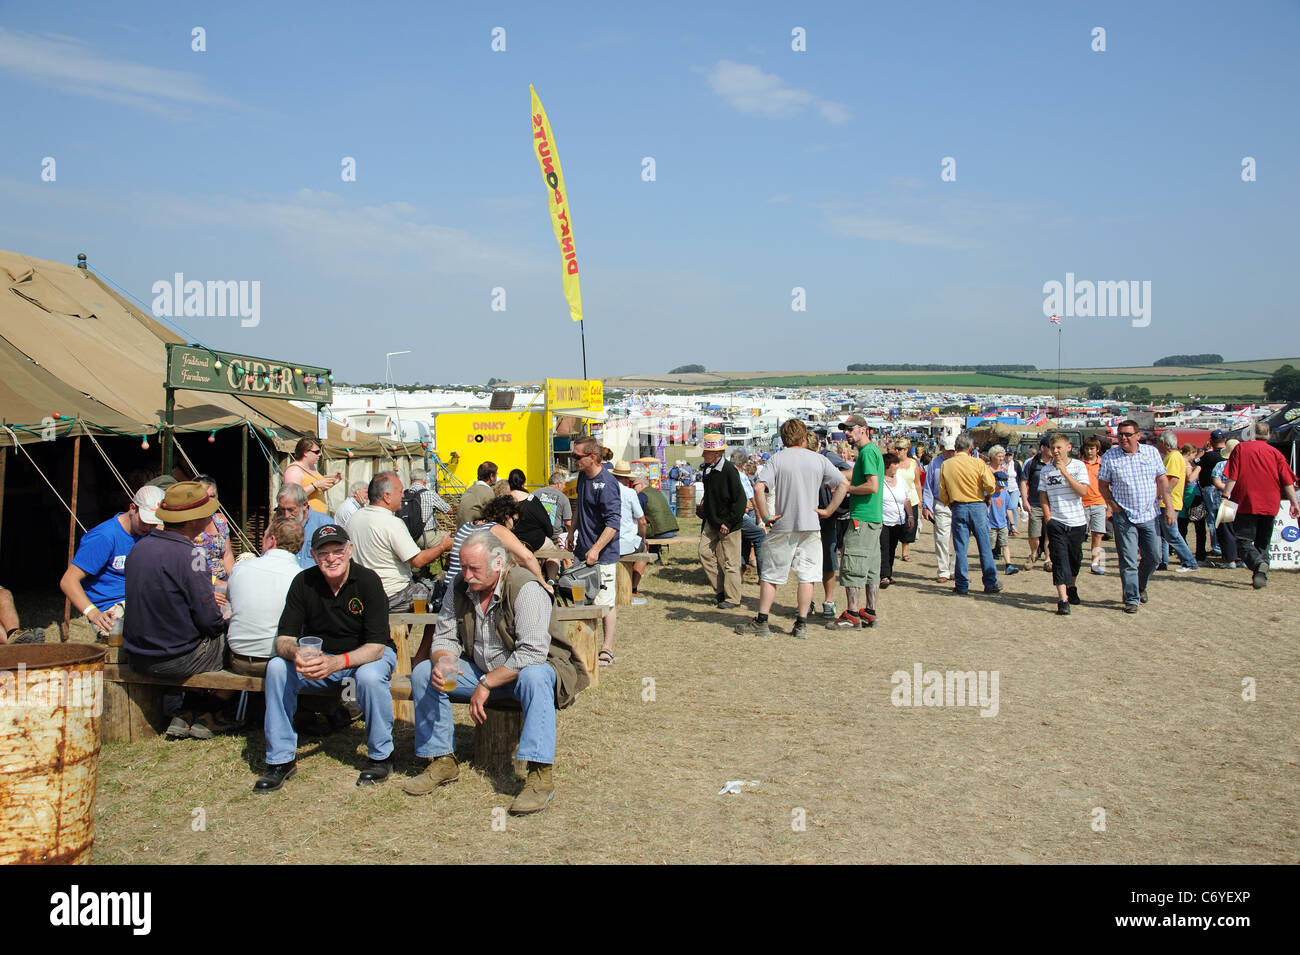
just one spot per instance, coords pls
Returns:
(67, 64)
(747, 88)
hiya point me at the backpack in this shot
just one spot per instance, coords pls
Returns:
(411, 513)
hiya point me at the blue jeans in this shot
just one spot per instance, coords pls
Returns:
(533, 688)
(1212, 496)
(972, 517)
(374, 696)
(751, 538)
(1130, 540)
(1172, 537)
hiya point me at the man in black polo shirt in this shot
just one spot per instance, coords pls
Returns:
(1210, 494)
(344, 605)
(1029, 495)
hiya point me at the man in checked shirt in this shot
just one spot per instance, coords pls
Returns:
(494, 639)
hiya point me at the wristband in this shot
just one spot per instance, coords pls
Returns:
(347, 663)
(89, 607)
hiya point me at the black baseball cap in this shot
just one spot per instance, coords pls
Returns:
(329, 534)
(1045, 441)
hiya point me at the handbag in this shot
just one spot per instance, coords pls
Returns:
(1197, 512)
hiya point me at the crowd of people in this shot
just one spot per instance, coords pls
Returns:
(313, 608)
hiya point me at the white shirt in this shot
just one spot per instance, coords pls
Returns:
(894, 500)
(346, 510)
(256, 591)
(1067, 506)
(629, 538)
(381, 542)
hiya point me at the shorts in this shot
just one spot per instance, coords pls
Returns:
(832, 533)
(1096, 514)
(998, 537)
(608, 585)
(1036, 520)
(800, 551)
(860, 561)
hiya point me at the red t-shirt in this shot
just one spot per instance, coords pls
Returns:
(1260, 472)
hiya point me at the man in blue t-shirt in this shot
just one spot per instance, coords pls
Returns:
(95, 581)
(594, 538)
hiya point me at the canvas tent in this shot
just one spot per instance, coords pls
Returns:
(71, 346)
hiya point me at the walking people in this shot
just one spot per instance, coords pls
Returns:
(898, 517)
(1176, 472)
(1094, 505)
(1257, 477)
(938, 513)
(1063, 485)
(965, 485)
(1131, 477)
(909, 472)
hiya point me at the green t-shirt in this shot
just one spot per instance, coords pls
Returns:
(868, 507)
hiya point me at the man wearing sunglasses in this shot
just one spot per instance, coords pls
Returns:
(1130, 478)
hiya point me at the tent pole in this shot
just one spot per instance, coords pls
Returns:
(243, 476)
(168, 414)
(4, 458)
(72, 528)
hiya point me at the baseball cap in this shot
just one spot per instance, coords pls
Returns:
(1045, 441)
(948, 442)
(146, 501)
(853, 421)
(329, 534)
(1216, 435)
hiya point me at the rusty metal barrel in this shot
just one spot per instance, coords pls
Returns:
(685, 501)
(51, 698)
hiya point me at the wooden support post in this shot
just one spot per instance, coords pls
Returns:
(169, 412)
(497, 739)
(623, 593)
(243, 486)
(4, 457)
(132, 712)
(403, 710)
(72, 530)
(585, 637)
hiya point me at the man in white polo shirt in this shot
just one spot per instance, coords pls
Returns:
(382, 543)
(256, 592)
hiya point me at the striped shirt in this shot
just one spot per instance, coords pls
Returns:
(1132, 479)
(532, 628)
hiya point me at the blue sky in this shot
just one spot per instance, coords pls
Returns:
(774, 169)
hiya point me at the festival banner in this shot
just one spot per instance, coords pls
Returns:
(557, 200)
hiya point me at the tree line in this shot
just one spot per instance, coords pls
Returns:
(1209, 359)
(981, 369)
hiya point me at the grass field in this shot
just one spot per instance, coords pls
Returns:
(1141, 717)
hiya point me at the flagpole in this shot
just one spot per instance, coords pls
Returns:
(1059, 328)
(582, 331)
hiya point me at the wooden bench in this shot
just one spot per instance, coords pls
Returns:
(133, 702)
(623, 594)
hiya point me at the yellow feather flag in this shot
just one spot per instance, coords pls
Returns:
(557, 201)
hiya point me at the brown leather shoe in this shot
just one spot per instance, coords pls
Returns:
(537, 792)
(439, 772)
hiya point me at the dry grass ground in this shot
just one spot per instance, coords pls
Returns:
(1141, 716)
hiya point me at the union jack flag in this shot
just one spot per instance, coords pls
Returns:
(1039, 417)
(1056, 319)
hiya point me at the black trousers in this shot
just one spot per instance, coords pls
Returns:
(1183, 523)
(1254, 534)
(890, 537)
(1228, 541)
(1066, 547)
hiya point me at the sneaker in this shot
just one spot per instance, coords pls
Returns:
(209, 725)
(753, 628)
(439, 772)
(995, 589)
(1162, 567)
(1142, 597)
(180, 726)
(1063, 608)
(848, 620)
(639, 601)
(1096, 569)
(1130, 608)
(960, 593)
(537, 793)
(28, 636)
(1072, 595)
(868, 617)
(376, 771)
(828, 608)
(1187, 570)
(274, 777)
(800, 630)
(1259, 580)
(1011, 569)
(721, 605)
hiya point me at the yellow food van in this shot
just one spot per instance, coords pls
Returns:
(536, 439)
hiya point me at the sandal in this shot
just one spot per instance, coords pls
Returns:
(604, 658)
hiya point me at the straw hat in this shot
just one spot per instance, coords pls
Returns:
(186, 501)
(714, 442)
(622, 468)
